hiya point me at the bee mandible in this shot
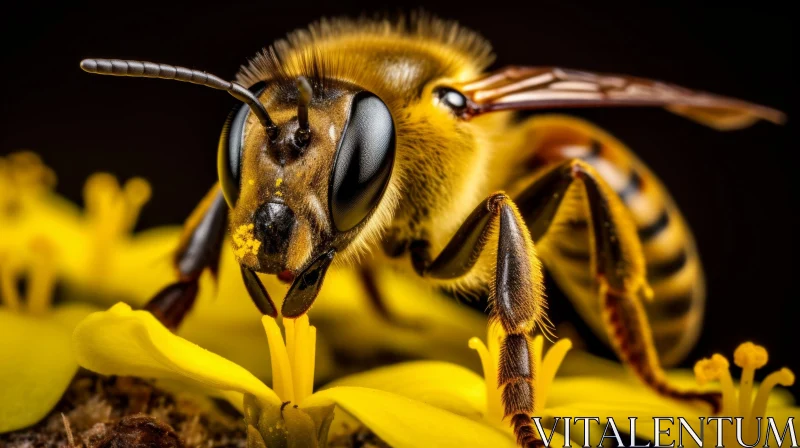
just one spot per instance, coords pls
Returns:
(365, 135)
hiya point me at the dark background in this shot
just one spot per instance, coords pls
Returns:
(736, 189)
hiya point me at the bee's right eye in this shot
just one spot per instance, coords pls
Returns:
(229, 152)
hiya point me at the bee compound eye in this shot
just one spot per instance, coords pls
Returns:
(364, 162)
(231, 145)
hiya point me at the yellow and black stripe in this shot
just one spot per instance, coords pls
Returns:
(673, 267)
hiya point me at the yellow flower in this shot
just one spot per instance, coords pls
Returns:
(742, 403)
(36, 363)
(121, 341)
(102, 262)
(461, 391)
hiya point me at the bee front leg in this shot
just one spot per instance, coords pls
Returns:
(199, 249)
(617, 262)
(517, 296)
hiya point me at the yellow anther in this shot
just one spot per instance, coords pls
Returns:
(137, 191)
(98, 187)
(278, 182)
(27, 170)
(710, 369)
(785, 377)
(22, 176)
(751, 356)
(112, 211)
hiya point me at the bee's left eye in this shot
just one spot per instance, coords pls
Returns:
(364, 162)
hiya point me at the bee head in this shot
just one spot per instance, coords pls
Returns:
(308, 183)
(302, 168)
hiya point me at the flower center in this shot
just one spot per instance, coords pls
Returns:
(292, 361)
(749, 357)
(543, 365)
(22, 175)
(40, 272)
(112, 211)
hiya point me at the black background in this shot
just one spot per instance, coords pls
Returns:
(736, 189)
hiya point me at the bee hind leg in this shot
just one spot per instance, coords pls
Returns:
(198, 250)
(517, 296)
(618, 266)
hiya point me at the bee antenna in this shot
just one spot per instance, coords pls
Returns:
(142, 69)
(304, 92)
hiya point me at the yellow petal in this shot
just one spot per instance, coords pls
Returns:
(621, 412)
(570, 391)
(440, 384)
(402, 422)
(36, 366)
(121, 341)
(581, 363)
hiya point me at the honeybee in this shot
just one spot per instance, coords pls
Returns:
(359, 136)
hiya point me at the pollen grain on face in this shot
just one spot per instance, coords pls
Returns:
(244, 242)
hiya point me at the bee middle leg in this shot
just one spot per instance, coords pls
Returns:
(199, 249)
(617, 261)
(517, 295)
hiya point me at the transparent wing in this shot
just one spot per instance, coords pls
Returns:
(519, 88)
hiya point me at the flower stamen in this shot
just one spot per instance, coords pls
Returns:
(783, 377)
(717, 369)
(23, 175)
(41, 274)
(749, 357)
(9, 271)
(545, 366)
(490, 354)
(293, 359)
(112, 211)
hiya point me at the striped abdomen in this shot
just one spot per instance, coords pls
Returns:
(673, 268)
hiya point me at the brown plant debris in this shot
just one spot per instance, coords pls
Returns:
(126, 412)
(116, 412)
